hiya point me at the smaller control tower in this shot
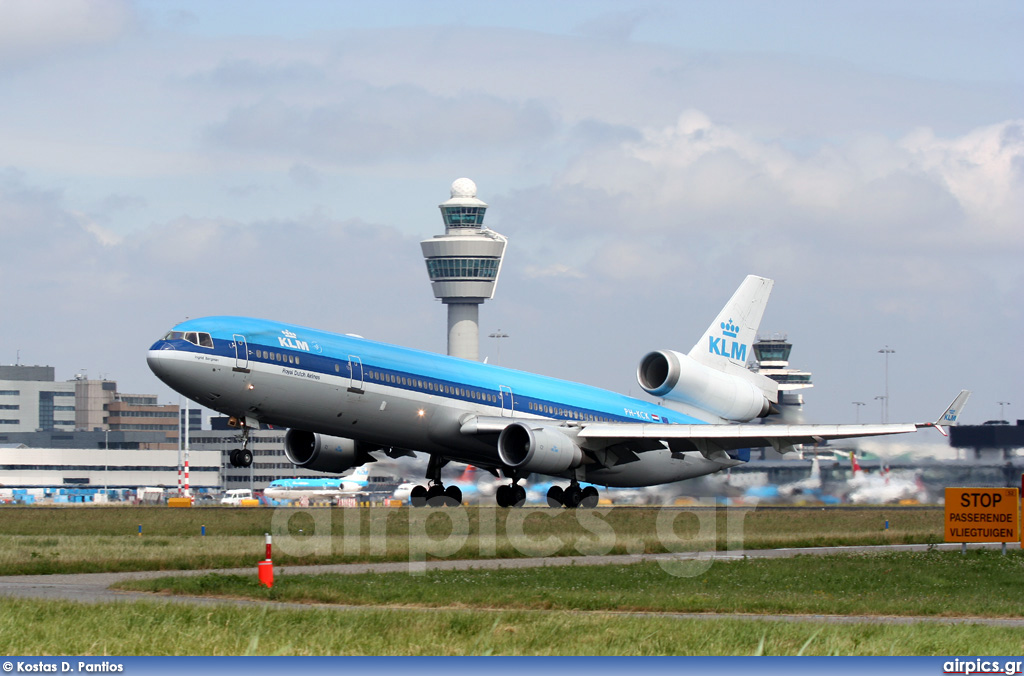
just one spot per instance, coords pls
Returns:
(772, 356)
(463, 265)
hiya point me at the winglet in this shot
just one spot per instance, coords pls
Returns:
(951, 415)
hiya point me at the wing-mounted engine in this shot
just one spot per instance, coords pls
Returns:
(536, 448)
(323, 453)
(739, 395)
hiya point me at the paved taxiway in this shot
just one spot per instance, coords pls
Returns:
(95, 587)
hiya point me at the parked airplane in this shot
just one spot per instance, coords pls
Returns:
(295, 489)
(882, 487)
(806, 489)
(345, 398)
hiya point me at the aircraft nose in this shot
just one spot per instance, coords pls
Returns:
(158, 360)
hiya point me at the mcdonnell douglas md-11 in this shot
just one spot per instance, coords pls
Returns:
(345, 399)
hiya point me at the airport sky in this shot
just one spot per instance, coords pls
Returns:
(170, 159)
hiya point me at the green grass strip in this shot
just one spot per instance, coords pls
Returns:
(30, 627)
(947, 584)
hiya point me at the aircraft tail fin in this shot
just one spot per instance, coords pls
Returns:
(854, 464)
(727, 342)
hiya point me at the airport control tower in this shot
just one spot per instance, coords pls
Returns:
(772, 355)
(464, 264)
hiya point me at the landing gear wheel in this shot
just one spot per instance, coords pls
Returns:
(589, 497)
(453, 496)
(233, 457)
(555, 496)
(510, 495)
(572, 495)
(502, 497)
(518, 495)
(435, 496)
(244, 457)
(418, 496)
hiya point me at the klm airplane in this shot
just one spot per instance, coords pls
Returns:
(357, 483)
(346, 399)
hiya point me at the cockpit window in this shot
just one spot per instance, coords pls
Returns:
(195, 337)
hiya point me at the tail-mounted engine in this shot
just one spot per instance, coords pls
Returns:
(537, 449)
(323, 453)
(678, 377)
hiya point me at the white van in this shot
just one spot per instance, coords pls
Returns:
(235, 496)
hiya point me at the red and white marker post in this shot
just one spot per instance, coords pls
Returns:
(266, 568)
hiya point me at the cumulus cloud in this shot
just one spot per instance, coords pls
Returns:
(983, 170)
(716, 175)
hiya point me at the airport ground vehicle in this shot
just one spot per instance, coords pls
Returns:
(234, 497)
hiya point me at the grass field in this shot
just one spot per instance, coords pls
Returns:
(575, 610)
(69, 540)
(48, 628)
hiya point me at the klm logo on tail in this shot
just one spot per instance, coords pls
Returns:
(724, 347)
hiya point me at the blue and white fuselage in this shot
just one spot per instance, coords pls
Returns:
(384, 396)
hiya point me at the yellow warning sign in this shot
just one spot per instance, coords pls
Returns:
(982, 515)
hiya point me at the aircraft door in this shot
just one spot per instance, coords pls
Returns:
(507, 401)
(241, 352)
(355, 374)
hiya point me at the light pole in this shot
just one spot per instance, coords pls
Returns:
(1001, 405)
(498, 335)
(857, 405)
(885, 400)
(886, 351)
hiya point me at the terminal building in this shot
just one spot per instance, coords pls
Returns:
(33, 402)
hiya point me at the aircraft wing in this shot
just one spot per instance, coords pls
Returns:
(627, 438)
(704, 438)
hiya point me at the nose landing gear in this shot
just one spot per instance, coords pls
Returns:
(242, 457)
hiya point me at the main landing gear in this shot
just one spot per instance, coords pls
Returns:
(510, 495)
(242, 457)
(572, 496)
(434, 493)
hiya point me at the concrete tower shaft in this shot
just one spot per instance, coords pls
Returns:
(464, 264)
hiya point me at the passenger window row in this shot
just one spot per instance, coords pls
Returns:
(277, 356)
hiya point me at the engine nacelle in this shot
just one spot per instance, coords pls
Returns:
(537, 449)
(322, 453)
(678, 377)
